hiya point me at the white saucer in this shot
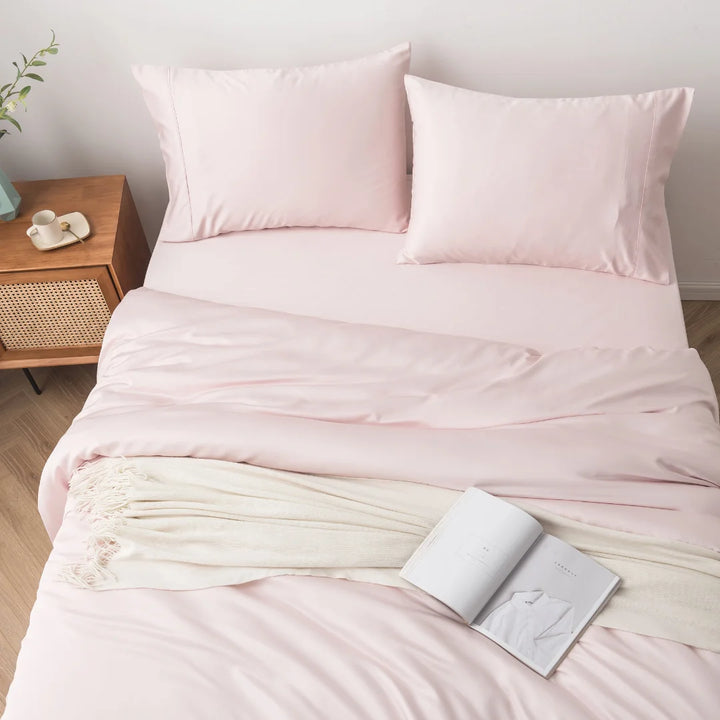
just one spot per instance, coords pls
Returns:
(78, 224)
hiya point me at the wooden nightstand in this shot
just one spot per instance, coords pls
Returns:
(55, 305)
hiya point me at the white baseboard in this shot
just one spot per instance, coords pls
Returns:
(699, 290)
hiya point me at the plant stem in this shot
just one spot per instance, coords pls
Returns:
(10, 92)
(21, 74)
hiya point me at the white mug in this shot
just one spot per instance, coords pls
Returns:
(46, 227)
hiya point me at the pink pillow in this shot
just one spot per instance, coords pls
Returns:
(575, 182)
(253, 149)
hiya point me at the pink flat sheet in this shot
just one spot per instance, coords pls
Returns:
(352, 275)
(183, 377)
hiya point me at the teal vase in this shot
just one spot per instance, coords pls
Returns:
(9, 199)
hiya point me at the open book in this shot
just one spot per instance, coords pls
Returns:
(494, 566)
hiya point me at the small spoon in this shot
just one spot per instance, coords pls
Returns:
(65, 227)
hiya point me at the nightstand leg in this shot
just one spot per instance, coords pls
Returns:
(31, 380)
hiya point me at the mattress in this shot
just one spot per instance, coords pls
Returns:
(351, 275)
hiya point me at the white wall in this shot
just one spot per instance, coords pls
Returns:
(89, 118)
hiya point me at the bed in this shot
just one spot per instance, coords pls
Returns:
(309, 355)
(316, 647)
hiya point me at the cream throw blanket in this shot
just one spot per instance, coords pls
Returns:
(184, 523)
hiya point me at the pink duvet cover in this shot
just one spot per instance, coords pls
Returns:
(627, 439)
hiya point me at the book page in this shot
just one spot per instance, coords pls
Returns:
(545, 603)
(471, 551)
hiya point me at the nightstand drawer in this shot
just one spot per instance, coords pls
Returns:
(54, 315)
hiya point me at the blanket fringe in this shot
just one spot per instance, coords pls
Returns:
(101, 491)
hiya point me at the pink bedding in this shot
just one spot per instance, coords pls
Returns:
(623, 438)
(562, 182)
(352, 275)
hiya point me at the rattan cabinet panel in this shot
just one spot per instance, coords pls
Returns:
(55, 313)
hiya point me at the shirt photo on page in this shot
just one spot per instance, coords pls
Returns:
(536, 625)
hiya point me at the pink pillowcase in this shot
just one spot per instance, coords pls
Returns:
(253, 149)
(575, 183)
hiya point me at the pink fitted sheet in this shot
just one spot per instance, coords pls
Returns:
(351, 275)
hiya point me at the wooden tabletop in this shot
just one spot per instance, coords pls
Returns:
(98, 198)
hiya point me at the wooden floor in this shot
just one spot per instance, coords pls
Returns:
(30, 426)
(702, 320)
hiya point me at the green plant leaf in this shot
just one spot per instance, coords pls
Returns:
(52, 50)
(3, 132)
(38, 63)
(14, 122)
(34, 76)
(5, 87)
(24, 58)
(24, 92)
